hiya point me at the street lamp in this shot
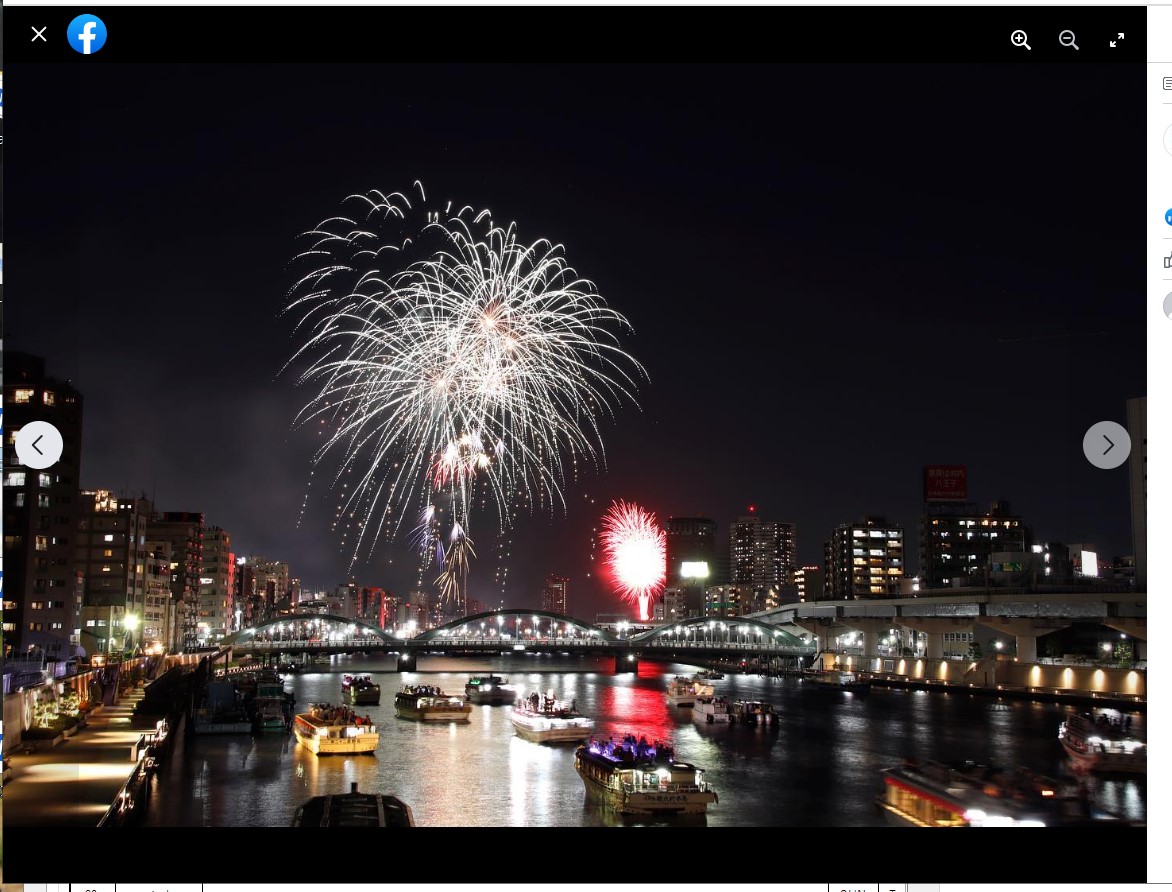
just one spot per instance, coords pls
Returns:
(130, 623)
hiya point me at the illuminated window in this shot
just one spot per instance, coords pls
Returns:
(44, 480)
(109, 537)
(14, 478)
(18, 501)
(42, 543)
(49, 397)
(23, 395)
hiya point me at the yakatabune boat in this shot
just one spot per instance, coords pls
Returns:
(328, 730)
(427, 703)
(635, 777)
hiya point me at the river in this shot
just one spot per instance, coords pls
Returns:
(818, 767)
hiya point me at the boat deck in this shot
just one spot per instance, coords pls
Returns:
(354, 809)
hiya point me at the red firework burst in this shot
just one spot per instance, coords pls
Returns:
(636, 553)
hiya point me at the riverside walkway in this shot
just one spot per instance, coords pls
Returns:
(74, 783)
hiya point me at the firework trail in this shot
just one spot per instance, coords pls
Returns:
(635, 550)
(451, 363)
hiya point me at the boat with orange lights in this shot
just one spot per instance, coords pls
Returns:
(328, 730)
(968, 794)
(638, 777)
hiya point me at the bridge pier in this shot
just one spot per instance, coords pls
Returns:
(406, 661)
(935, 650)
(1027, 648)
(626, 663)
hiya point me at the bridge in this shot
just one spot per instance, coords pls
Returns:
(514, 630)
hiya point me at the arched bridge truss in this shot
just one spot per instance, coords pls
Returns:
(512, 630)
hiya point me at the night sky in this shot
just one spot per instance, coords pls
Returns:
(835, 275)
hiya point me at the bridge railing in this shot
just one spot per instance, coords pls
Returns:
(574, 643)
(506, 643)
(313, 644)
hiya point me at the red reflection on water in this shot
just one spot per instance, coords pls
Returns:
(634, 709)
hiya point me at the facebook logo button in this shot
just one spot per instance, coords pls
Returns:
(86, 34)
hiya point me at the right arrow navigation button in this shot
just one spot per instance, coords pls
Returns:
(1106, 444)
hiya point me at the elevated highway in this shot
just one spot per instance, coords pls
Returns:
(1025, 615)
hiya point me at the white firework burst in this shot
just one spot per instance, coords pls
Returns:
(450, 359)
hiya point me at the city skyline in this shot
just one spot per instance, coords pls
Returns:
(812, 337)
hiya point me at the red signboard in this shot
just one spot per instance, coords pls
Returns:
(945, 483)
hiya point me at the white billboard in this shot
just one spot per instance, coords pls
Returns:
(694, 569)
(1090, 563)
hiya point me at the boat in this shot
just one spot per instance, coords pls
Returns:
(710, 710)
(328, 730)
(711, 675)
(221, 712)
(360, 690)
(354, 809)
(1103, 744)
(837, 680)
(682, 691)
(271, 708)
(491, 690)
(752, 712)
(427, 703)
(543, 719)
(634, 777)
(289, 668)
(968, 794)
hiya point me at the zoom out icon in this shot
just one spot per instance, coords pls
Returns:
(86, 34)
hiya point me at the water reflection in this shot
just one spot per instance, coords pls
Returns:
(818, 766)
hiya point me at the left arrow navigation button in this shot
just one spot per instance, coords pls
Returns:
(38, 445)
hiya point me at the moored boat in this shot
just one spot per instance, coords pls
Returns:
(427, 703)
(635, 777)
(711, 710)
(837, 680)
(361, 690)
(491, 690)
(354, 809)
(221, 711)
(711, 674)
(272, 708)
(543, 719)
(327, 730)
(967, 794)
(1103, 744)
